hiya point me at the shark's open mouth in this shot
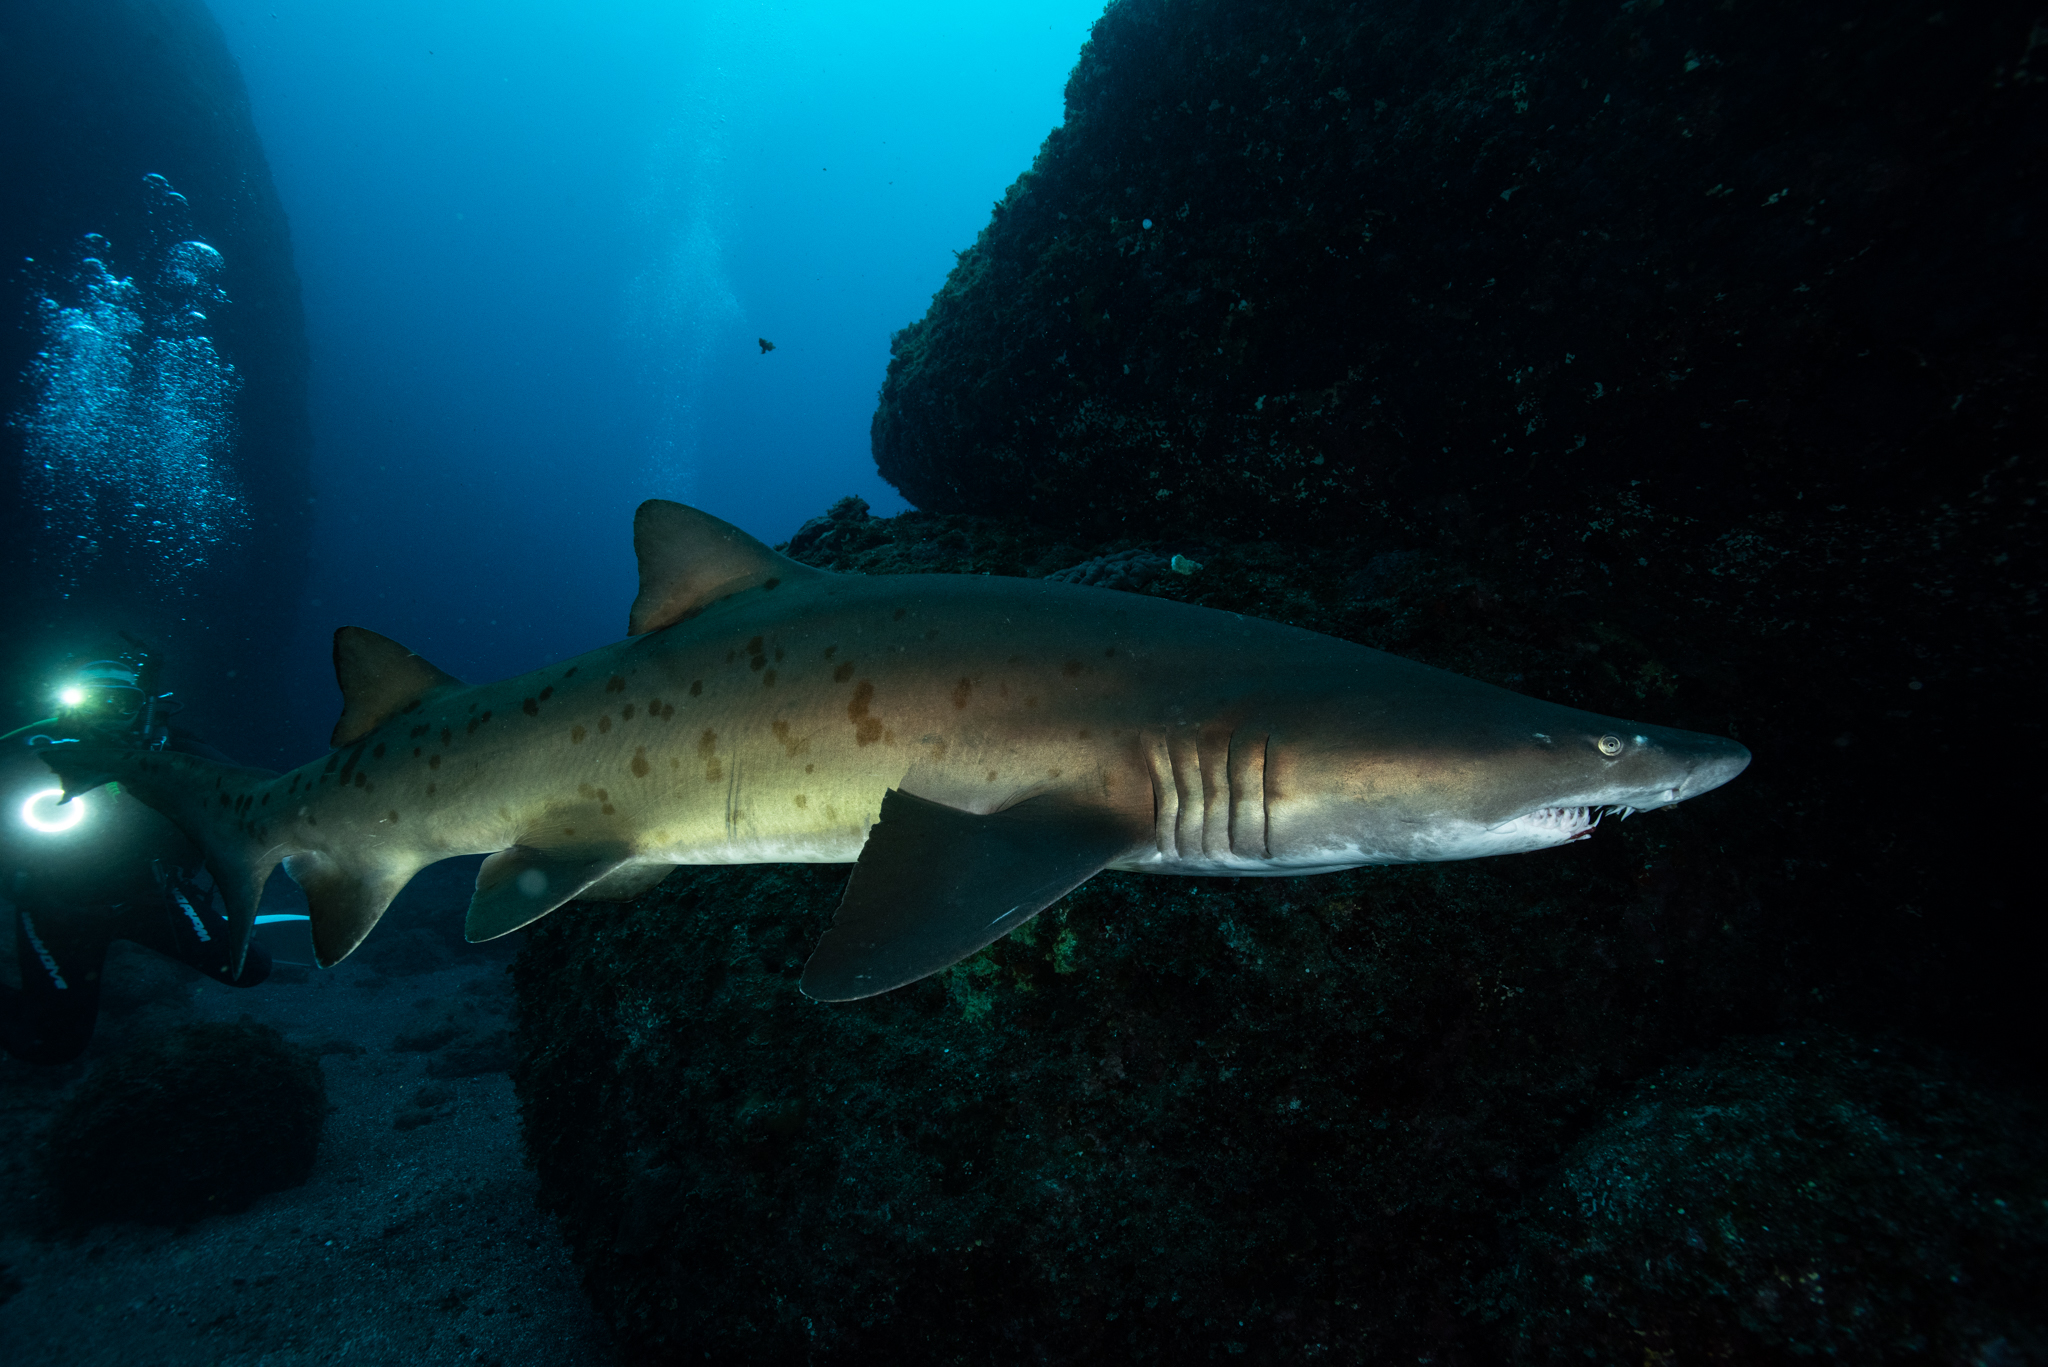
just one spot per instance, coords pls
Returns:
(1564, 824)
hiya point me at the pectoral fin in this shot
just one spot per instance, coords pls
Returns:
(626, 882)
(518, 886)
(934, 884)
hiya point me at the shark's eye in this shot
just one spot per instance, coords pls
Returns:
(1610, 746)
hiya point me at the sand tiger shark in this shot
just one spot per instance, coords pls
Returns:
(976, 747)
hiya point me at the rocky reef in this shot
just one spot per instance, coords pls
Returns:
(153, 427)
(1787, 1199)
(1750, 1080)
(1299, 267)
(200, 1121)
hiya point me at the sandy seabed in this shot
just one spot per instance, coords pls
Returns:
(414, 1241)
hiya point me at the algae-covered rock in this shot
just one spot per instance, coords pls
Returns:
(1294, 267)
(199, 1122)
(1792, 1199)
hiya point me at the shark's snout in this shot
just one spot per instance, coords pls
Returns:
(1703, 764)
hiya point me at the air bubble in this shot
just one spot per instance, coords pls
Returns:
(130, 399)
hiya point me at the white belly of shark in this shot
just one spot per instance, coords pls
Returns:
(976, 748)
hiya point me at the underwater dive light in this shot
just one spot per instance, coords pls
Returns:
(40, 812)
(72, 696)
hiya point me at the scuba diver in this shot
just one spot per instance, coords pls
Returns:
(99, 868)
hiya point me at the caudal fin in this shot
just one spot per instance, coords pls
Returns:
(226, 809)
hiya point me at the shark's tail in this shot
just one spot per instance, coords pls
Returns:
(226, 809)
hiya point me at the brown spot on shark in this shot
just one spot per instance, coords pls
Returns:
(530, 706)
(576, 735)
(604, 724)
(707, 750)
(866, 729)
(626, 712)
(615, 684)
(640, 764)
(843, 672)
(961, 692)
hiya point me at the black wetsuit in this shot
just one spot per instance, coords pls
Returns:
(61, 950)
(127, 877)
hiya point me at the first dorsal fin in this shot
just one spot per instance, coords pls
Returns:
(690, 559)
(379, 678)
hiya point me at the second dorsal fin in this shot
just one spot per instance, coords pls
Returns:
(379, 678)
(690, 559)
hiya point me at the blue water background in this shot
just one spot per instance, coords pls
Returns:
(538, 243)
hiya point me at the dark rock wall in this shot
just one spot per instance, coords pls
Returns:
(1412, 262)
(95, 95)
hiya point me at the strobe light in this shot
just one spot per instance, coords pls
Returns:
(41, 812)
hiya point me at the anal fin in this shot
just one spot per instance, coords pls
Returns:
(343, 902)
(935, 884)
(518, 886)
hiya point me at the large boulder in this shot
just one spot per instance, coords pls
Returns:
(1303, 267)
(200, 1121)
(153, 425)
(1789, 1199)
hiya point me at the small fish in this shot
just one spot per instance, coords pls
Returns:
(976, 747)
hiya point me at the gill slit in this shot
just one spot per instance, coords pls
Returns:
(1266, 796)
(732, 800)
